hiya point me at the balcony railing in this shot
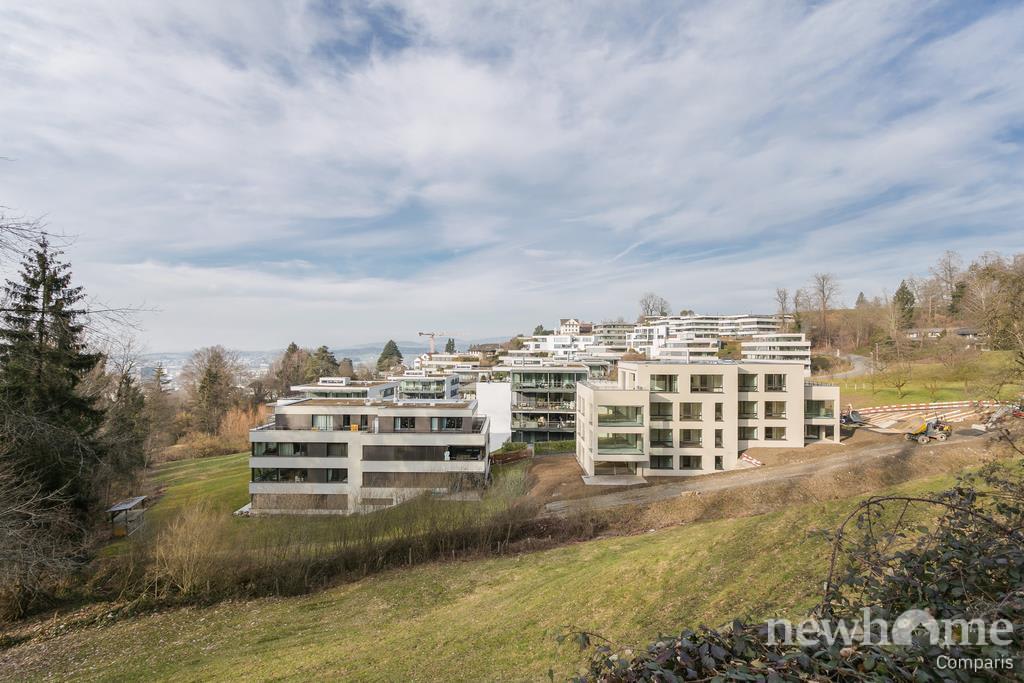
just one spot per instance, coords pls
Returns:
(553, 425)
(566, 406)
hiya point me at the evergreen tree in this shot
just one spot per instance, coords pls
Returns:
(321, 363)
(389, 357)
(43, 359)
(160, 409)
(126, 432)
(449, 347)
(539, 330)
(212, 379)
(346, 368)
(862, 301)
(289, 369)
(904, 302)
(956, 300)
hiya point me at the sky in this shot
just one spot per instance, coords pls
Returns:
(337, 173)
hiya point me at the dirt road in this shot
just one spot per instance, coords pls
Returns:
(752, 476)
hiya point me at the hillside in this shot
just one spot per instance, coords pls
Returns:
(468, 620)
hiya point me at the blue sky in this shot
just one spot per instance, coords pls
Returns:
(336, 172)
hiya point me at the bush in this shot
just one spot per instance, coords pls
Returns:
(548, 447)
(511, 447)
(202, 445)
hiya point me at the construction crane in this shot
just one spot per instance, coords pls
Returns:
(432, 335)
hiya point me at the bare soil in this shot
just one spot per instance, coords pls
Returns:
(559, 477)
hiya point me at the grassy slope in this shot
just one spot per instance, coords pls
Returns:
(858, 390)
(472, 620)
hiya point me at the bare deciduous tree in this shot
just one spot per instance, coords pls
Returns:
(824, 289)
(651, 304)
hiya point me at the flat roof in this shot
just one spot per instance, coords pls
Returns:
(376, 403)
(126, 504)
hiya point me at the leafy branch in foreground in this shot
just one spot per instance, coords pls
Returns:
(958, 555)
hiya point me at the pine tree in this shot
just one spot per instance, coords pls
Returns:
(389, 357)
(160, 409)
(346, 368)
(212, 378)
(862, 301)
(904, 302)
(43, 359)
(449, 347)
(126, 431)
(289, 369)
(321, 363)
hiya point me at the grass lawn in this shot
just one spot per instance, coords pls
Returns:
(490, 619)
(930, 382)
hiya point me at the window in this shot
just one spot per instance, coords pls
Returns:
(690, 437)
(689, 462)
(620, 415)
(264, 474)
(337, 450)
(690, 411)
(748, 382)
(748, 410)
(405, 424)
(661, 411)
(719, 439)
(620, 443)
(748, 434)
(446, 424)
(291, 449)
(323, 423)
(774, 433)
(661, 438)
(260, 449)
(719, 462)
(819, 409)
(774, 382)
(661, 462)
(706, 384)
(337, 476)
(669, 383)
(775, 409)
(719, 409)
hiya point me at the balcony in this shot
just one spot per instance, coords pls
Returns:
(620, 444)
(545, 425)
(554, 406)
(620, 416)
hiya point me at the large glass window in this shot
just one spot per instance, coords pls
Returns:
(446, 424)
(260, 474)
(719, 412)
(689, 438)
(748, 382)
(661, 438)
(691, 412)
(405, 424)
(661, 411)
(773, 382)
(261, 449)
(706, 384)
(719, 439)
(747, 433)
(337, 450)
(775, 409)
(324, 423)
(337, 476)
(748, 410)
(620, 443)
(689, 462)
(661, 462)
(620, 415)
(669, 383)
(819, 409)
(774, 433)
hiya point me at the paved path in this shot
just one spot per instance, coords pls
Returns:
(745, 477)
(861, 366)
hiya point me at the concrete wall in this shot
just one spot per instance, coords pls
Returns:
(494, 399)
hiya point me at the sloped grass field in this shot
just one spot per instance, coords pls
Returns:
(931, 382)
(491, 619)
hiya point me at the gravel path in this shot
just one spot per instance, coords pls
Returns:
(747, 477)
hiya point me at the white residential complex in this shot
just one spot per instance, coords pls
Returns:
(344, 387)
(664, 418)
(779, 347)
(340, 455)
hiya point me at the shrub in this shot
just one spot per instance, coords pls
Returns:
(548, 447)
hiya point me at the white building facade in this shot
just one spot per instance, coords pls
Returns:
(664, 418)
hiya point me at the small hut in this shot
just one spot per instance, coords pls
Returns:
(127, 516)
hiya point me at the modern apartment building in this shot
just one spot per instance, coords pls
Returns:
(469, 366)
(543, 399)
(344, 387)
(687, 348)
(718, 325)
(340, 456)
(665, 418)
(779, 346)
(558, 346)
(421, 385)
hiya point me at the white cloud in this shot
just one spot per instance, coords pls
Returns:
(353, 176)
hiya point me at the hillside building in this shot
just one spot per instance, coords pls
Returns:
(341, 456)
(665, 418)
(779, 346)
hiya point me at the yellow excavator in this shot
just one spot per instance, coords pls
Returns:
(935, 429)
